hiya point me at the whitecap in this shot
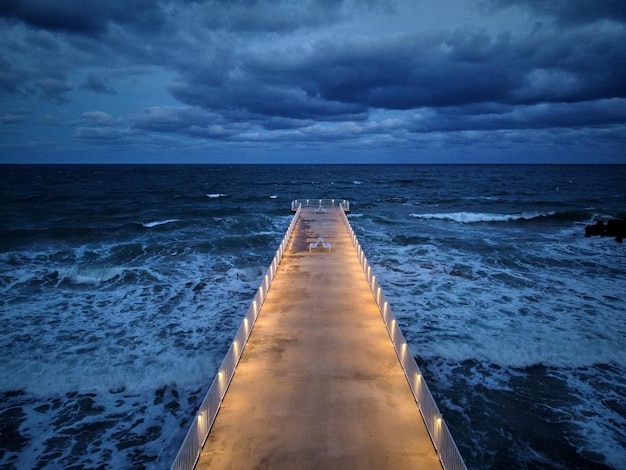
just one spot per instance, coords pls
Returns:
(273, 197)
(472, 217)
(158, 222)
(92, 274)
(215, 195)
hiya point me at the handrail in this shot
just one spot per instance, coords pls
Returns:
(198, 432)
(447, 451)
(317, 202)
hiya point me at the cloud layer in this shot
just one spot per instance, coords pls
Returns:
(222, 77)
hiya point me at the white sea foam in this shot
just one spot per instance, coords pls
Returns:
(547, 304)
(158, 222)
(215, 195)
(472, 217)
(87, 274)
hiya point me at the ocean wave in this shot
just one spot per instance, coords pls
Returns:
(473, 217)
(158, 222)
(215, 195)
(91, 274)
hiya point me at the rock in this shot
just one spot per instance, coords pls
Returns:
(613, 228)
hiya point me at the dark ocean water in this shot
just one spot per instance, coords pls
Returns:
(121, 288)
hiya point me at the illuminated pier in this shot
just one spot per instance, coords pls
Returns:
(321, 374)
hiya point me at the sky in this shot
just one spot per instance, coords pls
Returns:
(304, 81)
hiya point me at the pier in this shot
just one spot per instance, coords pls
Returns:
(319, 374)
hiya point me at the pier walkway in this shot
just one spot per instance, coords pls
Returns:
(320, 383)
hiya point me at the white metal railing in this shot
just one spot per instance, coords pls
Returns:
(191, 447)
(446, 448)
(345, 205)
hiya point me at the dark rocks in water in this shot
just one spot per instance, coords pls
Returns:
(613, 228)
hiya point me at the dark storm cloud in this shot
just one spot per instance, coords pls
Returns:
(570, 11)
(309, 71)
(78, 16)
(94, 18)
(252, 99)
(342, 78)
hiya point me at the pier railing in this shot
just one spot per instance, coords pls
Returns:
(199, 430)
(344, 204)
(446, 448)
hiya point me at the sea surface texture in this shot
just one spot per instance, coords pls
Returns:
(121, 288)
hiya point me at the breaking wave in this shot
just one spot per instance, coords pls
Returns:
(158, 222)
(473, 217)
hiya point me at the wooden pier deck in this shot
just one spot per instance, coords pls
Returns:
(319, 384)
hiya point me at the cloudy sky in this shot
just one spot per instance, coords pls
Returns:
(313, 81)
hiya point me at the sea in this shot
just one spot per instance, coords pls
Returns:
(122, 286)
